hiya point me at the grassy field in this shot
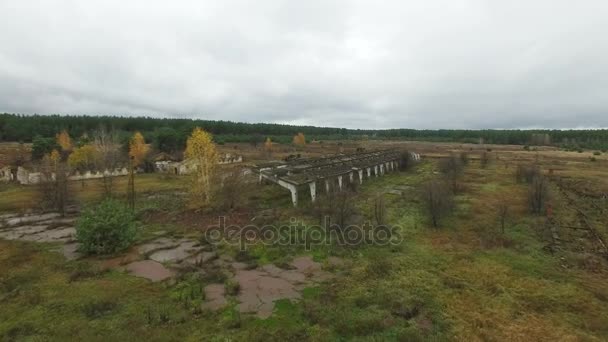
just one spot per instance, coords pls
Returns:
(465, 280)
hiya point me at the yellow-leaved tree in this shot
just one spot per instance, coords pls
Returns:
(299, 139)
(268, 146)
(64, 140)
(83, 158)
(138, 149)
(202, 157)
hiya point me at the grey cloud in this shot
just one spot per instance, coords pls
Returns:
(358, 64)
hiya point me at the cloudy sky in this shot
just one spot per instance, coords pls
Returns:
(357, 64)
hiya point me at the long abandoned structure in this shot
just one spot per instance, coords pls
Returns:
(330, 171)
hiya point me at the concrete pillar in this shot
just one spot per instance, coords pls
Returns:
(326, 186)
(313, 190)
(294, 194)
(340, 182)
(369, 172)
(360, 172)
(382, 169)
(350, 176)
(376, 170)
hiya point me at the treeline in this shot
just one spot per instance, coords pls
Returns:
(170, 134)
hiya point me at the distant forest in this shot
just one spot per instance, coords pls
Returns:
(170, 134)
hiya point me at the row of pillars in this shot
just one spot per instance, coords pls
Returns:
(377, 170)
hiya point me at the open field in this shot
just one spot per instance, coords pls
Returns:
(465, 280)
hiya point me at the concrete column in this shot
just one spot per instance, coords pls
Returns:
(326, 186)
(376, 170)
(360, 172)
(350, 176)
(293, 189)
(313, 190)
(369, 172)
(294, 194)
(381, 169)
(387, 166)
(340, 182)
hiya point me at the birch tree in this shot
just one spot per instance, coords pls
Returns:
(202, 156)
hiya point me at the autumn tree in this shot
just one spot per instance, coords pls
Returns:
(268, 147)
(299, 139)
(65, 142)
(138, 149)
(82, 158)
(201, 153)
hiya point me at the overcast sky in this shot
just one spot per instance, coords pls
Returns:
(356, 64)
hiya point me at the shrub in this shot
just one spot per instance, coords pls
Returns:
(597, 153)
(538, 194)
(232, 287)
(592, 159)
(527, 173)
(438, 200)
(108, 228)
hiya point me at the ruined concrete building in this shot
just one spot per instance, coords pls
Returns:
(330, 171)
(168, 165)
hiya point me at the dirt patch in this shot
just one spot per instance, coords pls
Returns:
(150, 270)
(260, 288)
(215, 297)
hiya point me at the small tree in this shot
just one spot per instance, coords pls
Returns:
(484, 159)
(108, 156)
(299, 139)
(201, 152)
(527, 173)
(53, 185)
(438, 200)
(452, 168)
(268, 147)
(107, 228)
(538, 194)
(43, 146)
(464, 158)
(65, 142)
(138, 149)
(230, 193)
(503, 214)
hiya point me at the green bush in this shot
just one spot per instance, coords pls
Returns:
(597, 153)
(107, 228)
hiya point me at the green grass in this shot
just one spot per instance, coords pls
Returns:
(462, 281)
